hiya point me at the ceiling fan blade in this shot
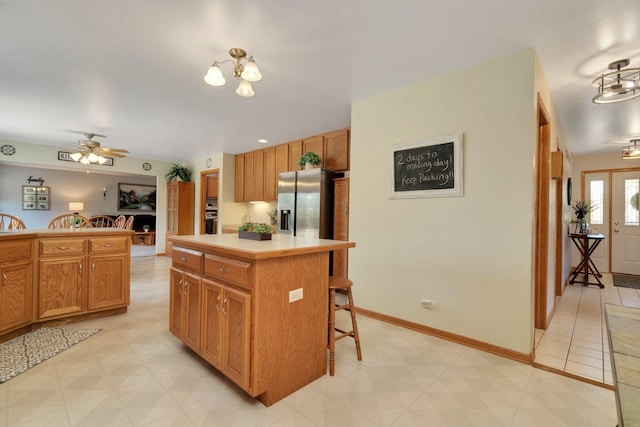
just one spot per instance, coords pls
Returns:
(114, 155)
(114, 150)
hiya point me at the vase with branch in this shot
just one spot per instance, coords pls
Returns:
(582, 208)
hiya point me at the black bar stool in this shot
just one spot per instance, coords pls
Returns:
(341, 285)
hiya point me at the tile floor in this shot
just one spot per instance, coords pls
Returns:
(135, 372)
(576, 340)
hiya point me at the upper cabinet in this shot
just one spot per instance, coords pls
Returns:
(257, 171)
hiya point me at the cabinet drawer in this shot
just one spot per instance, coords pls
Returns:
(62, 246)
(15, 249)
(227, 269)
(187, 259)
(108, 244)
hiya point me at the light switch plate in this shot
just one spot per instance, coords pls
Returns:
(295, 295)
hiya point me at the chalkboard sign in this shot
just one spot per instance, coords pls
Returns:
(430, 168)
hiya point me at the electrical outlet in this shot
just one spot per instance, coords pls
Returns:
(295, 295)
(429, 303)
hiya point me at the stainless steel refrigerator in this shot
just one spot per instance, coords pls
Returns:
(305, 203)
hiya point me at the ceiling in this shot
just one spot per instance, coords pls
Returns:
(133, 70)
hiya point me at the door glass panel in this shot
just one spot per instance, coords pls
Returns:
(597, 197)
(631, 202)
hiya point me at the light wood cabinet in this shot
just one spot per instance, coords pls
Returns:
(239, 184)
(16, 284)
(212, 187)
(184, 303)
(180, 201)
(253, 176)
(336, 150)
(315, 144)
(107, 285)
(295, 152)
(341, 225)
(226, 327)
(270, 175)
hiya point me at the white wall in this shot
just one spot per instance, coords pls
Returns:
(473, 254)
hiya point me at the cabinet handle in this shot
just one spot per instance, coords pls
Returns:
(93, 267)
(63, 248)
(107, 245)
(218, 304)
(226, 300)
(223, 270)
(4, 280)
(184, 258)
(80, 267)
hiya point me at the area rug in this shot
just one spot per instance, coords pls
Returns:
(26, 351)
(626, 280)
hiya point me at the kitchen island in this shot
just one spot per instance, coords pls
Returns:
(255, 310)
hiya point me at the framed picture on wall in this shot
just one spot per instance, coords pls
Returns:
(136, 197)
(35, 198)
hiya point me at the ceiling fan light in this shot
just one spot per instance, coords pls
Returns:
(101, 160)
(84, 160)
(214, 76)
(76, 156)
(251, 72)
(245, 89)
(93, 157)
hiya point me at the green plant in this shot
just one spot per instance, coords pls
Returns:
(309, 157)
(255, 227)
(178, 171)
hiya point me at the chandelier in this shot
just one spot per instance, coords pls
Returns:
(618, 85)
(246, 73)
(632, 151)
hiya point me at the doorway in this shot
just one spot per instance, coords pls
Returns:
(209, 196)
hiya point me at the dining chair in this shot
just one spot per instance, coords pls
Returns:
(70, 221)
(129, 224)
(120, 221)
(100, 221)
(11, 222)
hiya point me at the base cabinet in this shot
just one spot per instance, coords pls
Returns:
(107, 285)
(60, 287)
(16, 295)
(226, 336)
(184, 307)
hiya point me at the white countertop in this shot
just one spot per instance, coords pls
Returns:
(279, 245)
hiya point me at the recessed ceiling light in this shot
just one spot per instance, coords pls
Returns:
(262, 141)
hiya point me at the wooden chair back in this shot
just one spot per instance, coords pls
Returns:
(70, 221)
(11, 222)
(99, 221)
(120, 221)
(129, 224)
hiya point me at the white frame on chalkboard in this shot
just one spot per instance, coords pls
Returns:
(457, 171)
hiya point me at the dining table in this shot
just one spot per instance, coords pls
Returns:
(586, 244)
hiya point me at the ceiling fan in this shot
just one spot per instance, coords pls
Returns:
(90, 151)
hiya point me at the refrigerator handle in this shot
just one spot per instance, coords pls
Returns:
(285, 218)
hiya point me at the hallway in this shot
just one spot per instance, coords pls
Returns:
(576, 340)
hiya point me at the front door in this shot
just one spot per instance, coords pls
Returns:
(625, 227)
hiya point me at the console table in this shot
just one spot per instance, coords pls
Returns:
(586, 244)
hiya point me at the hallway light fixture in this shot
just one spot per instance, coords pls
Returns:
(632, 151)
(246, 73)
(618, 85)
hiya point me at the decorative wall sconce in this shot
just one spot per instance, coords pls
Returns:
(104, 193)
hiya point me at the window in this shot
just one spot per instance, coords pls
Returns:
(596, 192)
(631, 207)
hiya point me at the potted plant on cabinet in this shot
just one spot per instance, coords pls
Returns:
(177, 171)
(255, 231)
(309, 160)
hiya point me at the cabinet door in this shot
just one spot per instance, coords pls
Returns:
(239, 184)
(191, 326)
(258, 175)
(211, 349)
(341, 225)
(295, 152)
(249, 177)
(60, 287)
(336, 150)
(212, 187)
(270, 175)
(236, 310)
(107, 284)
(315, 144)
(176, 302)
(16, 295)
(282, 161)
